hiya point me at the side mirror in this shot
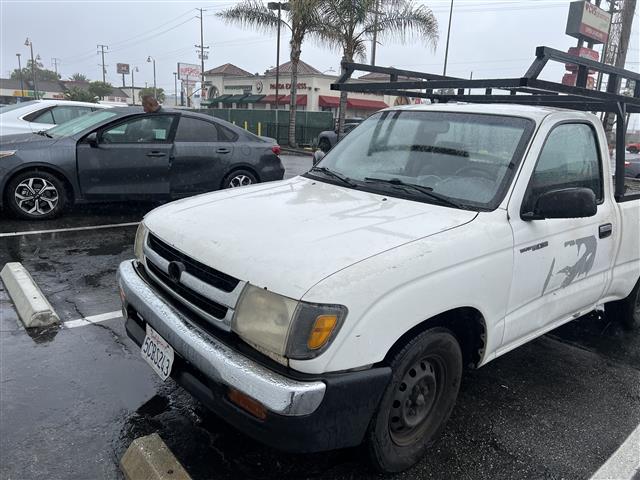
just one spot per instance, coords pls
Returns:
(92, 139)
(564, 203)
(317, 156)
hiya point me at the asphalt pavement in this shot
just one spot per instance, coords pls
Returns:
(73, 399)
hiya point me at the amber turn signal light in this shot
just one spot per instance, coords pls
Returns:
(247, 403)
(321, 331)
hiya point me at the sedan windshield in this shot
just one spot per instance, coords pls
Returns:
(81, 123)
(461, 159)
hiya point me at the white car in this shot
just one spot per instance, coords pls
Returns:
(37, 115)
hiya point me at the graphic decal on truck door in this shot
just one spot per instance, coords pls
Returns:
(586, 248)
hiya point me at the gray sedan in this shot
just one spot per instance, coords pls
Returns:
(126, 154)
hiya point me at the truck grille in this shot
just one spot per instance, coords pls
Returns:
(209, 293)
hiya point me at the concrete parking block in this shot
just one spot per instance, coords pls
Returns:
(33, 308)
(148, 458)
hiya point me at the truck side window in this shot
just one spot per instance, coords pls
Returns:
(568, 159)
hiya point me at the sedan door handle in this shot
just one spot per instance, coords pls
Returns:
(222, 150)
(605, 230)
(156, 154)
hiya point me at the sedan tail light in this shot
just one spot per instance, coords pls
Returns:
(626, 164)
(276, 149)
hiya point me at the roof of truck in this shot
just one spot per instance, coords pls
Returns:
(533, 112)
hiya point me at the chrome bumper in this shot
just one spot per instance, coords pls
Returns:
(213, 358)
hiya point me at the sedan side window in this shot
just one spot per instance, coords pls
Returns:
(148, 129)
(568, 159)
(44, 117)
(64, 113)
(195, 130)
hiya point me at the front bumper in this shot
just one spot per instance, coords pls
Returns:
(305, 413)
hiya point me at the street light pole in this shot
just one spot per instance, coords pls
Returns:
(150, 59)
(29, 44)
(133, 83)
(446, 51)
(175, 86)
(20, 73)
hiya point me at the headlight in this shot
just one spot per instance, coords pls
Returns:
(286, 327)
(7, 153)
(141, 238)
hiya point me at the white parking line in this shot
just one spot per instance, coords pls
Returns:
(71, 229)
(93, 319)
(624, 464)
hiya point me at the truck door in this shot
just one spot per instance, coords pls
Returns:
(560, 265)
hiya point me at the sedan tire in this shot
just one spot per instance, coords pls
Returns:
(35, 195)
(239, 178)
(627, 311)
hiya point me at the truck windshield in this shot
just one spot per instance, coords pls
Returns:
(468, 159)
(81, 123)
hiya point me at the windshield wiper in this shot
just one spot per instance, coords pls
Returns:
(336, 175)
(44, 134)
(428, 191)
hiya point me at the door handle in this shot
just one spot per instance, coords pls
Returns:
(222, 150)
(156, 154)
(605, 230)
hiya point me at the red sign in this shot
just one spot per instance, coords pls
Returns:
(588, 22)
(582, 52)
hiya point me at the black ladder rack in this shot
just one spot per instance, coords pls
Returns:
(526, 90)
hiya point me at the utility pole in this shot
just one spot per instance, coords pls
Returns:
(34, 68)
(104, 71)
(20, 72)
(374, 41)
(446, 51)
(175, 87)
(202, 56)
(54, 62)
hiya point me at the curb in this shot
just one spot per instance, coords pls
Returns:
(624, 464)
(33, 308)
(149, 458)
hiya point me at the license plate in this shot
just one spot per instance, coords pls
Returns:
(157, 352)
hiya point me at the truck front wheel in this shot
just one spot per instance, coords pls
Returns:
(417, 402)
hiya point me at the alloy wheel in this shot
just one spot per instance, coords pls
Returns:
(240, 181)
(36, 196)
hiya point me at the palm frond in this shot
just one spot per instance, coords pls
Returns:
(405, 22)
(252, 13)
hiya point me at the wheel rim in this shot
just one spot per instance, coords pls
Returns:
(240, 181)
(36, 196)
(414, 399)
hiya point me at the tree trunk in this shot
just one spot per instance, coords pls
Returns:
(295, 59)
(342, 111)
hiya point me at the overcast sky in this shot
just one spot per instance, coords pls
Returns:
(492, 38)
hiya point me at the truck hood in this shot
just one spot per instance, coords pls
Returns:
(287, 236)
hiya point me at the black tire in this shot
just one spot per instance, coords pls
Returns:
(627, 311)
(239, 178)
(633, 150)
(36, 195)
(324, 144)
(417, 402)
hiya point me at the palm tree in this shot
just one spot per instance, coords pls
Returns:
(350, 25)
(79, 77)
(302, 17)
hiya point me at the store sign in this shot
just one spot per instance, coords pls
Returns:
(243, 88)
(189, 70)
(588, 22)
(123, 68)
(287, 86)
(28, 93)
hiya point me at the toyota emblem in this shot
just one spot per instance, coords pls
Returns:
(175, 270)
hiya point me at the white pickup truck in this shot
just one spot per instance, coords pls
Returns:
(340, 307)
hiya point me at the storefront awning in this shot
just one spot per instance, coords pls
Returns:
(284, 99)
(354, 103)
(361, 104)
(328, 102)
(234, 99)
(214, 100)
(252, 98)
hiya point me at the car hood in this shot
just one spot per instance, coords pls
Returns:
(287, 236)
(26, 140)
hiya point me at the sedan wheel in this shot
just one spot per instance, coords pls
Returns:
(36, 196)
(239, 178)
